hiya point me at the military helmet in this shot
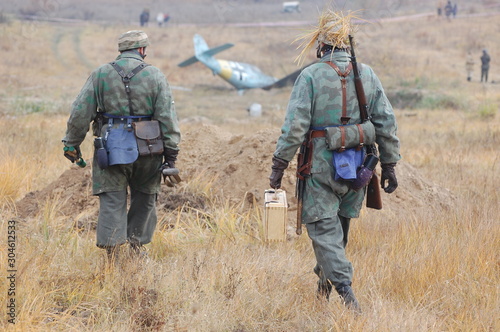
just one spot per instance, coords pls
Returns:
(132, 39)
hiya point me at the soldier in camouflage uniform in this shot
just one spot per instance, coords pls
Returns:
(104, 94)
(316, 102)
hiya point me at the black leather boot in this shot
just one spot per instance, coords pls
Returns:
(347, 295)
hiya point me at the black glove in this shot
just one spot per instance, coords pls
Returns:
(279, 166)
(72, 153)
(170, 156)
(168, 169)
(389, 175)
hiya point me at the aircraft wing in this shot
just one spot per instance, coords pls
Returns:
(288, 80)
(188, 62)
(215, 50)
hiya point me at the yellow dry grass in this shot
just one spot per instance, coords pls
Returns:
(429, 270)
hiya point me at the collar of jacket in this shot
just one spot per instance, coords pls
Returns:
(131, 54)
(340, 57)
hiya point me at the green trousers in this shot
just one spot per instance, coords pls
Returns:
(116, 225)
(329, 238)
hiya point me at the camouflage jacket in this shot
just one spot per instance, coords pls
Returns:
(316, 101)
(105, 91)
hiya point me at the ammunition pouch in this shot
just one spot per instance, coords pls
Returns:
(148, 137)
(344, 137)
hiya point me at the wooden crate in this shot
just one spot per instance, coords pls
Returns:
(275, 215)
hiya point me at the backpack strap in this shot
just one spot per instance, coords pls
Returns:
(343, 75)
(126, 79)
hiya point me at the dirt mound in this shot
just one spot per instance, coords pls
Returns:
(238, 167)
(415, 192)
(69, 195)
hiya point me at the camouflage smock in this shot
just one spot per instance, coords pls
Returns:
(150, 95)
(316, 101)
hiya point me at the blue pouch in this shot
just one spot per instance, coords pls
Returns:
(121, 144)
(346, 163)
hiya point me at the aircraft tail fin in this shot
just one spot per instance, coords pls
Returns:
(200, 45)
(201, 50)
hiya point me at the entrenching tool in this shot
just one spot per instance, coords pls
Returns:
(170, 175)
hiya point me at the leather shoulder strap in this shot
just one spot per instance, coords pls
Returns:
(133, 72)
(127, 77)
(344, 118)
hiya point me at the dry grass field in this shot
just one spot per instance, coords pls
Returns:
(429, 261)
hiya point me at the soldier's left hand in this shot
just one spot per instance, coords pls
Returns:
(170, 157)
(389, 175)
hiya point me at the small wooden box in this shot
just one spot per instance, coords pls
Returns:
(275, 215)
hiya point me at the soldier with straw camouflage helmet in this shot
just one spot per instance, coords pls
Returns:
(324, 96)
(117, 98)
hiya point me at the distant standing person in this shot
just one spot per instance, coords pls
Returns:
(448, 9)
(469, 65)
(440, 9)
(144, 17)
(119, 98)
(485, 65)
(160, 18)
(166, 18)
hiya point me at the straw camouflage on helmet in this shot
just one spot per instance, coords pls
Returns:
(333, 29)
(132, 39)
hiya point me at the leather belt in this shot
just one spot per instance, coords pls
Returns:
(318, 133)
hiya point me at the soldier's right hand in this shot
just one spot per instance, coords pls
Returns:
(72, 153)
(278, 168)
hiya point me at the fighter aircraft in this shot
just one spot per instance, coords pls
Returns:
(242, 76)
